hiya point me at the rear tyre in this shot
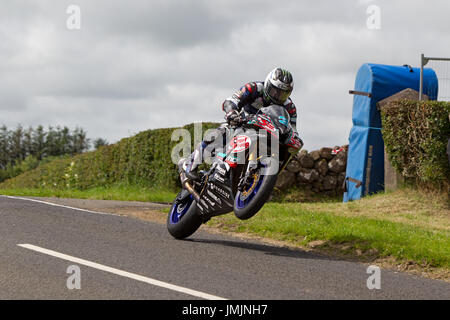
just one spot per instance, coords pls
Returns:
(183, 220)
(248, 202)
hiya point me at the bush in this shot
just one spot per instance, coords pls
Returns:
(29, 163)
(415, 134)
(144, 159)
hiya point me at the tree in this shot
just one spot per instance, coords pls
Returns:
(16, 144)
(100, 143)
(22, 150)
(50, 142)
(28, 148)
(80, 142)
(4, 147)
(39, 146)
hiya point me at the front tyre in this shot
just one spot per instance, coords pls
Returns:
(183, 220)
(250, 200)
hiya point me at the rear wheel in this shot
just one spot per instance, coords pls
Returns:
(254, 195)
(183, 220)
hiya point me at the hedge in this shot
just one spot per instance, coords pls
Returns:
(415, 134)
(144, 159)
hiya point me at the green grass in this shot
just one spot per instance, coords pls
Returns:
(116, 192)
(345, 229)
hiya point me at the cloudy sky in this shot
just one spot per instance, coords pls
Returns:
(135, 65)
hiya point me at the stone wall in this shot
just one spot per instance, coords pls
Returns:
(321, 171)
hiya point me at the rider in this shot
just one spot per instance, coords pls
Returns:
(276, 89)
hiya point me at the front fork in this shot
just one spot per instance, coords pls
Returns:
(188, 186)
(253, 163)
(285, 163)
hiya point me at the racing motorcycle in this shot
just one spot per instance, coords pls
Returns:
(242, 178)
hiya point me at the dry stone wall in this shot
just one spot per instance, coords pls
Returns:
(321, 171)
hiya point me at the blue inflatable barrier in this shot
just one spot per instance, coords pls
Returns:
(375, 82)
(366, 174)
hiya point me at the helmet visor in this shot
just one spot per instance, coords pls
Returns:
(278, 95)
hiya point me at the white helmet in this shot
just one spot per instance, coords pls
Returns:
(278, 86)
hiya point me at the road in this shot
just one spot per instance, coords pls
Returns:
(126, 258)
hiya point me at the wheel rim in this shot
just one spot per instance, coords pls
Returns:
(247, 195)
(178, 210)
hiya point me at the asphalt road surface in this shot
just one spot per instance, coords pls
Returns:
(125, 258)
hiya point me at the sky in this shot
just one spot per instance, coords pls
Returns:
(137, 65)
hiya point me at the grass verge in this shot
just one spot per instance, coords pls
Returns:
(407, 228)
(116, 192)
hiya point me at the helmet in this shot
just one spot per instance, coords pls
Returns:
(278, 85)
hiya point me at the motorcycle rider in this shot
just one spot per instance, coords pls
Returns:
(251, 97)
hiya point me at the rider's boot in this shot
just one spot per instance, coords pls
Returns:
(190, 165)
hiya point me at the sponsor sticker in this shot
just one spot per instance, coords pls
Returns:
(212, 195)
(240, 143)
(212, 204)
(219, 178)
(219, 190)
(221, 170)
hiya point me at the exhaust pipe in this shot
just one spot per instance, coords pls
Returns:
(185, 183)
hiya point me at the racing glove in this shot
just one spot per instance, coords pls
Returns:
(232, 117)
(294, 142)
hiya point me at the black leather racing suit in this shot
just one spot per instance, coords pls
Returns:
(250, 98)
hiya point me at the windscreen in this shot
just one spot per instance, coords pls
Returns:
(280, 118)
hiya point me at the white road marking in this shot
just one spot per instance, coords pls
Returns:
(60, 205)
(122, 273)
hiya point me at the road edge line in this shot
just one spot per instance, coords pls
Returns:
(60, 205)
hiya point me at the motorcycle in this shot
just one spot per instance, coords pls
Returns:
(240, 179)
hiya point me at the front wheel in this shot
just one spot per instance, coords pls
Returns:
(183, 220)
(251, 199)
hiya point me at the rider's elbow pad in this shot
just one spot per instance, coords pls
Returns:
(228, 106)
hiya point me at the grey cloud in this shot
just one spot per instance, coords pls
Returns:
(136, 65)
(165, 23)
